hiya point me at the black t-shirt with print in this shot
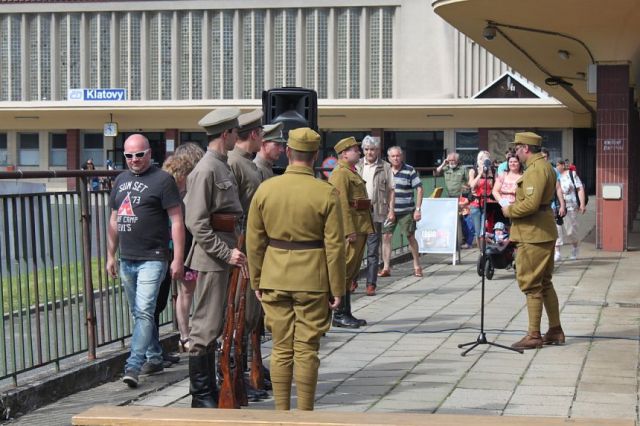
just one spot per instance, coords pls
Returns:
(141, 203)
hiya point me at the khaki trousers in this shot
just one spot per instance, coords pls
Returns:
(296, 320)
(534, 269)
(210, 299)
(355, 252)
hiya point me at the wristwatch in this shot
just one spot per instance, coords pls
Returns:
(417, 209)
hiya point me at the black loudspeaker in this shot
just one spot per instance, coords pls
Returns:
(293, 106)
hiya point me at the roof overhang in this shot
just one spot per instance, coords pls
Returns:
(332, 114)
(530, 36)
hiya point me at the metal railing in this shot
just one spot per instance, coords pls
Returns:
(56, 299)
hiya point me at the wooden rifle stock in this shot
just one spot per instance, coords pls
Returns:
(227, 398)
(238, 372)
(257, 375)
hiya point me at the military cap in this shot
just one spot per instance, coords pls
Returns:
(250, 120)
(527, 138)
(346, 143)
(273, 133)
(219, 120)
(304, 139)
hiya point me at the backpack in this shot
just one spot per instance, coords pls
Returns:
(586, 196)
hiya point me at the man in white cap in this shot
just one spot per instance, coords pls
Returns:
(272, 148)
(212, 214)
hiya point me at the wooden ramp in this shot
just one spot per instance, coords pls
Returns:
(138, 415)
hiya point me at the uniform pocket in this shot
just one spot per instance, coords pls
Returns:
(224, 185)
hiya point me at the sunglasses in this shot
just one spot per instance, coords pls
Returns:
(140, 154)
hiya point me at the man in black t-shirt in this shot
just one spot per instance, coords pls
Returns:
(143, 200)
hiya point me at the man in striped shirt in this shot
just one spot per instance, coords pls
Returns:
(407, 211)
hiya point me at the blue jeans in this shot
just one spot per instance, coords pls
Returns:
(478, 221)
(141, 280)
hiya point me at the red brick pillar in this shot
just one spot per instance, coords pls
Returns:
(483, 139)
(612, 155)
(73, 155)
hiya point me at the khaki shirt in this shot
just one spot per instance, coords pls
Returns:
(211, 188)
(247, 176)
(455, 179)
(351, 187)
(264, 167)
(531, 216)
(296, 207)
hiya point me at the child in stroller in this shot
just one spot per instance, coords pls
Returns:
(500, 251)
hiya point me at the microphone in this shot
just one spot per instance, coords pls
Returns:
(487, 164)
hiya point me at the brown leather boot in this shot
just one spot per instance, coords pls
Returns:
(554, 336)
(533, 340)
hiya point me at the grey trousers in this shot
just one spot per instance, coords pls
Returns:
(373, 253)
(210, 300)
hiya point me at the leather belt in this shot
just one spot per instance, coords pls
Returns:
(361, 204)
(296, 245)
(224, 222)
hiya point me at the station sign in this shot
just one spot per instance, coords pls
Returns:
(97, 95)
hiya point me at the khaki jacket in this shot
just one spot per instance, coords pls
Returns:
(531, 216)
(351, 187)
(211, 188)
(296, 207)
(382, 188)
(247, 176)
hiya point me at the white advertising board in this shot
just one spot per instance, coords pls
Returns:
(437, 231)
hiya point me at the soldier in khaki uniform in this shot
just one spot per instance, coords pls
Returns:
(356, 216)
(272, 147)
(295, 244)
(212, 211)
(534, 229)
(248, 178)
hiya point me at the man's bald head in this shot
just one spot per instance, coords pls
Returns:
(137, 153)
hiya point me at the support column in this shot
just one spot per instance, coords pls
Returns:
(171, 135)
(73, 155)
(612, 155)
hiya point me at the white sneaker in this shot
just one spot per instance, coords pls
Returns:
(574, 253)
(557, 257)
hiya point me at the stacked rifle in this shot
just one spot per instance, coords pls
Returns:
(233, 392)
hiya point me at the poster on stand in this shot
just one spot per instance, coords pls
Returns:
(437, 231)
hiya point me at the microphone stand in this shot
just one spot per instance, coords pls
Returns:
(482, 337)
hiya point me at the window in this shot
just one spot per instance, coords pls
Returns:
(467, 143)
(69, 48)
(4, 156)
(253, 54)
(552, 140)
(93, 143)
(191, 55)
(160, 56)
(222, 55)
(284, 48)
(316, 57)
(99, 51)
(422, 149)
(130, 54)
(58, 149)
(196, 137)
(381, 57)
(28, 149)
(40, 57)
(348, 46)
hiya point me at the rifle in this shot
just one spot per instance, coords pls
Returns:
(257, 375)
(238, 372)
(227, 398)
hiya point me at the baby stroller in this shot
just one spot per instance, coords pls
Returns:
(500, 252)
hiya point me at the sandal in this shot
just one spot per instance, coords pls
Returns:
(417, 272)
(384, 273)
(185, 344)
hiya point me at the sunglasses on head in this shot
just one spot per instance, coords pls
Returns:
(130, 155)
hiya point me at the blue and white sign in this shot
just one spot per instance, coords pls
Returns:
(97, 95)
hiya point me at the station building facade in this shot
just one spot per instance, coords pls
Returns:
(391, 68)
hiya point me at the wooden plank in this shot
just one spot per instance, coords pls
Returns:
(148, 416)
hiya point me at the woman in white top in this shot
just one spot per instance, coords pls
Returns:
(568, 231)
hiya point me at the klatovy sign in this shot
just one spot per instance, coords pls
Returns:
(97, 95)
